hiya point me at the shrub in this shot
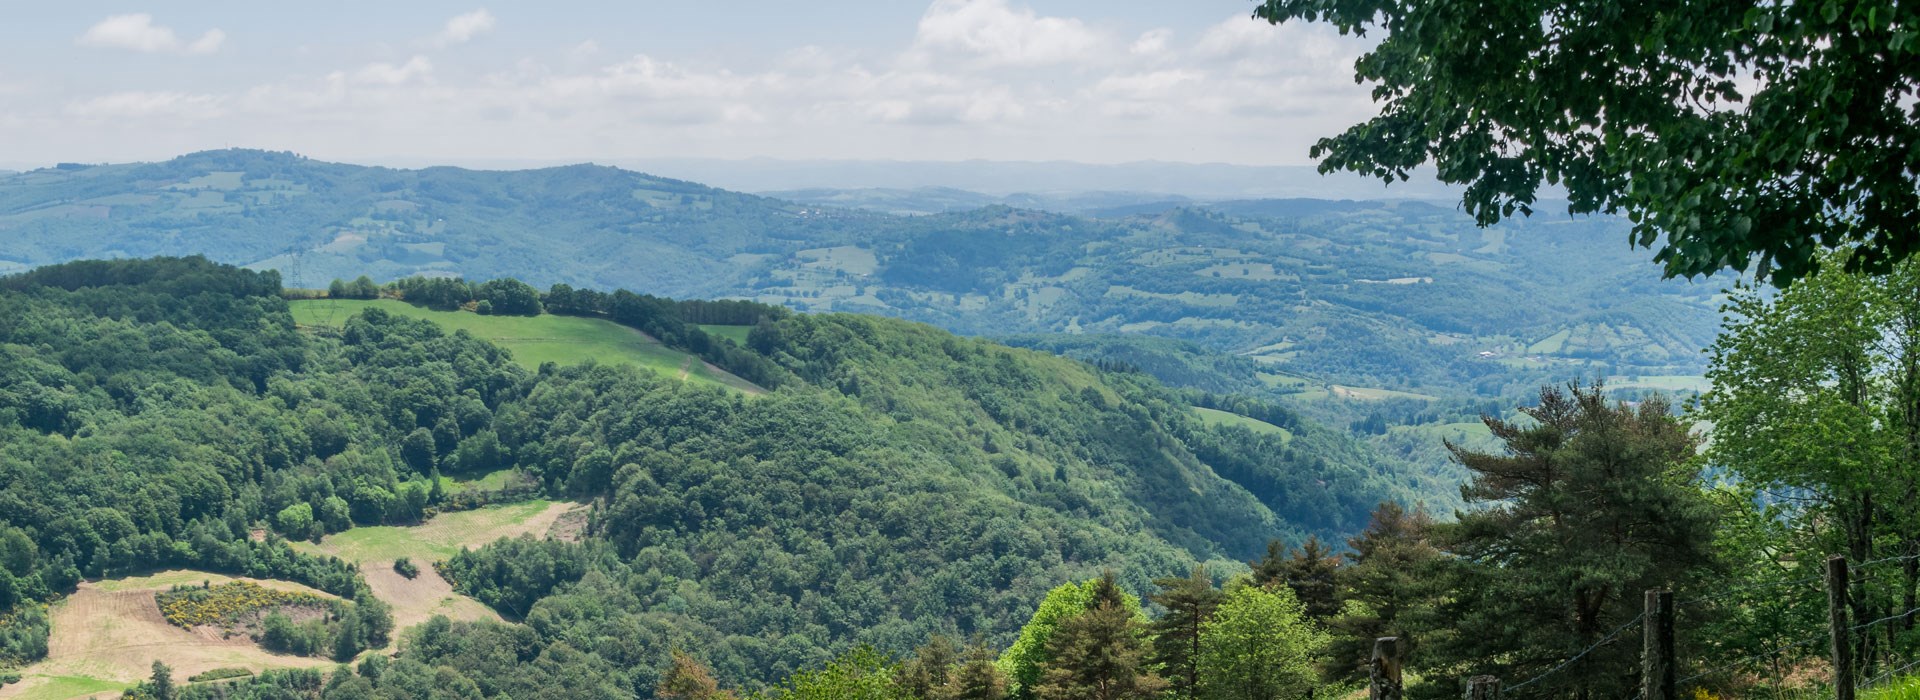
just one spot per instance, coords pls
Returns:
(219, 674)
(406, 567)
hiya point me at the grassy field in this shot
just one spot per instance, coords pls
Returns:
(442, 536)
(1370, 394)
(534, 340)
(63, 687)
(737, 334)
(417, 599)
(1216, 417)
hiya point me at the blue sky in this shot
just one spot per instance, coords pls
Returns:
(1079, 80)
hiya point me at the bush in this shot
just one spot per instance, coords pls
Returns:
(218, 674)
(406, 567)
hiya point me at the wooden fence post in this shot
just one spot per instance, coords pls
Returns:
(1483, 688)
(1384, 676)
(1841, 644)
(1656, 658)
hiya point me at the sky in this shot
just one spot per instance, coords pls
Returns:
(424, 81)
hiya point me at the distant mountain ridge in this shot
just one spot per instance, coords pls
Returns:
(1405, 296)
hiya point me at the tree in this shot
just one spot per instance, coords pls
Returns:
(1259, 645)
(1310, 571)
(1099, 654)
(1392, 587)
(1737, 130)
(930, 670)
(688, 679)
(162, 681)
(978, 677)
(510, 297)
(1588, 504)
(861, 674)
(1190, 602)
(1816, 392)
(417, 450)
(1030, 651)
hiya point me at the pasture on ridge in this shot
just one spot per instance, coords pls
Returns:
(533, 340)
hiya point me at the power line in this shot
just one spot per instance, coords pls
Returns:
(1576, 657)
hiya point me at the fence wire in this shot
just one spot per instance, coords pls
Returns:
(1576, 657)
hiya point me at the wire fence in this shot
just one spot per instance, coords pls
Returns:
(1859, 576)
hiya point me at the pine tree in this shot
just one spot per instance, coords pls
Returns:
(978, 678)
(1310, 571)
(1189, 601)
(1588, 504)
(1099, 654)
(1392, 587)
(162, 682)
(930, 670)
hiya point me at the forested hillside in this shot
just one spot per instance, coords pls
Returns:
(901, 481)
(1368, 296)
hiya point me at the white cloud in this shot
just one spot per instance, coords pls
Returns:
(1152, 43)
(141, 104)
(978, 79)
(137, 32)
(997, 34)
(416, 68)
(463, 28)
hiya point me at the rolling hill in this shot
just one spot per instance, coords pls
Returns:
(1388, 296)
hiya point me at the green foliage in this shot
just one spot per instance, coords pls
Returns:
(1395, 584)
(1589, 504)
(861, 674)
(1100, 653)
(219, 674)
(1189, 602)
(1024, 660)
(1641, 109)
(406, 567)
(1259, 645)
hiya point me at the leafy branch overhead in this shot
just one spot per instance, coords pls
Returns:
(1746, 132)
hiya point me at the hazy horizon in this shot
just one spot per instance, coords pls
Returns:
(506, 81)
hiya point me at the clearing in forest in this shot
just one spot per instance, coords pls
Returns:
(107, 635)
(533, 340)
(414, 600)
(1217, 417)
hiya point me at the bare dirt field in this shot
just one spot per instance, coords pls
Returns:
(108, 634)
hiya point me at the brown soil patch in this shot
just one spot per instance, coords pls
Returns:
(416, 600)
(117, 635)
(570, 526)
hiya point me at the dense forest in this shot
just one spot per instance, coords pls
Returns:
(902, 483)
(917, 515)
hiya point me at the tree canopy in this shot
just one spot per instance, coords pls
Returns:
(1743, 131)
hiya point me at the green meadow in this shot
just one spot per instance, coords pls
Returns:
(534, 340)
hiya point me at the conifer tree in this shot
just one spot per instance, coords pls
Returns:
(1100, 654)
(930, 670)
(978, 677)
(1589, 504)
(1391, 588)
(1310, 571)
(1176, 635)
